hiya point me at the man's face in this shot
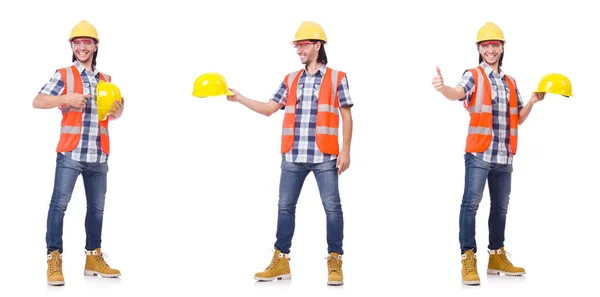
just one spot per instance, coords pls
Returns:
(84, 48)
(307, 51)
(491, 51)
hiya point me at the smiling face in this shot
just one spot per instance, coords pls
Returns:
(84, 48)
(308, 51)
(490, 51)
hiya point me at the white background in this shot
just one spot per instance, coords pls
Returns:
(193, 183)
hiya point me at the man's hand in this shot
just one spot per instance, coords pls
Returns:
(343, 161)
(537, 97)
(117, 109)
(76, 100)
(236, 97)
(438, 81)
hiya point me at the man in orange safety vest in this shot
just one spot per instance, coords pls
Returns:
(313, 99)
(83, 149)
(494, 104)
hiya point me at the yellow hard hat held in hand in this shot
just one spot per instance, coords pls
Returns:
(106, 95)
(210, 84)
(555, 83)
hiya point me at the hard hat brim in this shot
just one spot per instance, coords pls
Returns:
(544, 91)
(94, 38)
(486, 40)
(298, 41)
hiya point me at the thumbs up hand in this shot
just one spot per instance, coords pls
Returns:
(438, 80)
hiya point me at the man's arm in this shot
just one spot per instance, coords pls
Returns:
(44, 101)
(347, 128)
(456, 93)
(265, 108)
(524, 112)
(453, 94)
(345, 103)
(50, 95)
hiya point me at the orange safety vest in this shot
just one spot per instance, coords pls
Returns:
(327, 112)
(480, 109)
(71, 124)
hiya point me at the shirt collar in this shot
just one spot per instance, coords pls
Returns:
(488, 70)
(82, 68)
(321, 69)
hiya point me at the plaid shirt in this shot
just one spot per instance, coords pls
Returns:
(305, 148)
(88, 149)
(499, 150)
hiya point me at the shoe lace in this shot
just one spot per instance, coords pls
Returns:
(54, 263)
(100, 258)
(274, 261)
(334, 264)
(469, 263)
(504, 256)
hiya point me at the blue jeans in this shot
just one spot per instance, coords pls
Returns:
(290, 184)
(94, 181)
(498, 176)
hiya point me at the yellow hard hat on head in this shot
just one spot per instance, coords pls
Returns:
(84, 29)
(490, 31)
(310, 30)
(106, 95)
(210, 84)
(555, 83)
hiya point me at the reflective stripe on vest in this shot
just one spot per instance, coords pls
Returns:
(71, 124)
(480, 130)
(327, 113)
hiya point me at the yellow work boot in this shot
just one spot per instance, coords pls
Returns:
(95, 265)
(278, 269)
(335, 276)
(469, 268)
(54, 272)
(499, 263)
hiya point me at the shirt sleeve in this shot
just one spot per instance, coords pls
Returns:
(280, 95)
(519, 100)
(54, 87)
(467, 82)
(343, 91)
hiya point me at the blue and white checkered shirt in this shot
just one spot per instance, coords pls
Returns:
(305, 148)
(88, 149)
(499, 150)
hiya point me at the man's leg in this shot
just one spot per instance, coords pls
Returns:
(66, 174)
(290, 185)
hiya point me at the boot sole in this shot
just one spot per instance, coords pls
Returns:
(56, 283)
(335, 283)
(471, 283)
(268, 279)
(497, 272)
(94, 273)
